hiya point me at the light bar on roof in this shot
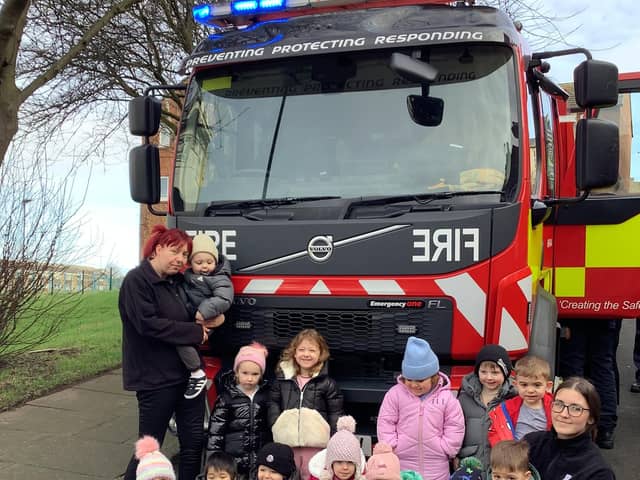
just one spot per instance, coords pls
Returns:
(209, 13)
(205, 13)
(243, 7)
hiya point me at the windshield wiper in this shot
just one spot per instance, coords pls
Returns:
(261, 203)
(421, 198)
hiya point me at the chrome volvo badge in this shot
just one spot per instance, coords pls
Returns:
(320, 248)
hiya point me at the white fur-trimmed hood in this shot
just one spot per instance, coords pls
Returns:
(289, 371)
(301, 427)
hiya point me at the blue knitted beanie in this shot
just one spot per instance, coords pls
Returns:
(419, 361)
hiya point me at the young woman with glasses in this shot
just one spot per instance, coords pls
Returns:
(568, 450)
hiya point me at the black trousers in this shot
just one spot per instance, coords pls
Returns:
(155, 408)
(590, 352)
(636, 350)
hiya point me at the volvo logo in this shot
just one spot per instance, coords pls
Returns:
(244, 301)
(320, 248)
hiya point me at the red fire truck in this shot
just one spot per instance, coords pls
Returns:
(375, 170)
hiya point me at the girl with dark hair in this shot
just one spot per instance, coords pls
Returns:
(568, 450)
(155, 320)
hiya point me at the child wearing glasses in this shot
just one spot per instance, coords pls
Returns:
(530, 411)
(568, 451)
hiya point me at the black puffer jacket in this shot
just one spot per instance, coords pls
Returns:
(321, 393)
(237, 424)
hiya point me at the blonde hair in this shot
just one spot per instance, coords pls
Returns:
(532, 366)
(312, 335)
(512, 455)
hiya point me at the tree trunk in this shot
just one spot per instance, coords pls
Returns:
(8, 120)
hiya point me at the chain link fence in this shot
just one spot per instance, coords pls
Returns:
(77, 279)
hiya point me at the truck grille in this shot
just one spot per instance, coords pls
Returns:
(374, 331)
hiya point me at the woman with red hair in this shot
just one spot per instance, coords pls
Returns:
(156, 319)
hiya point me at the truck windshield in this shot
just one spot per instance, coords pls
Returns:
(338, 126)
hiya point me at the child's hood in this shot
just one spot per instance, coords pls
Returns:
(288, 371)
(223, 267)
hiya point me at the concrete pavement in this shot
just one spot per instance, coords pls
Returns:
(84, 432)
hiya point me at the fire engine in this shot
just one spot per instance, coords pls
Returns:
(375, 170)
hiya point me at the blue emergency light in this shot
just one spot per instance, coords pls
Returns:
(208, 12)
(201, 12)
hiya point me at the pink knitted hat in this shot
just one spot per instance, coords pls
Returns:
(255, 352)
(152, 463)
(344, 446)
(383, 464)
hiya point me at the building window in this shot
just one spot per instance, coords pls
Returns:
(164, 189)
(165, 136)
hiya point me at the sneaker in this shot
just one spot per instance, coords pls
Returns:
(604, 439)
(195, 386)
(635, 387)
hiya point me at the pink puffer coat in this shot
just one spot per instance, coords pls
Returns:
(424, 433)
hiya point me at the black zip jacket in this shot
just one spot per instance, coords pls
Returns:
(321, 393)
(238, 425)
(576, 458)
(154, 320)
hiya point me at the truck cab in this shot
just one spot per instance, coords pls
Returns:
(375, 170)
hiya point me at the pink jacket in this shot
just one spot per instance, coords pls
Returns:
(424, 433)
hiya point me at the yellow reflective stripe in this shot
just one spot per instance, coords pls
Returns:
(613, 245)
(570, 281)
(534, 253)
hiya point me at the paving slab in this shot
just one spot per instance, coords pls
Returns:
(85, 432)
(92, 404)
(21, 472)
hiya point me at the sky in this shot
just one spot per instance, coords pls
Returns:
(608, 28)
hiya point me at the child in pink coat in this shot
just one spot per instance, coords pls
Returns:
(419, 417)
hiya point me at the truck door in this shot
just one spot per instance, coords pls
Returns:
(596, 257)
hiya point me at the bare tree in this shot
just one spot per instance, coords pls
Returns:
(540, 26)
(21, 77)
(83, 59)
(38, 223)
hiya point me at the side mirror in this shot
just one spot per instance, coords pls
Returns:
(597, 153)
(144, 116)
(425, 111)
(596, 84)
(144, 174)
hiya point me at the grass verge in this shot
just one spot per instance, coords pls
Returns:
(88, 343)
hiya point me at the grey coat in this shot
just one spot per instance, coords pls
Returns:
(476, 417)
(210, 294)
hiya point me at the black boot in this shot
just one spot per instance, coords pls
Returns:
(604, 439)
